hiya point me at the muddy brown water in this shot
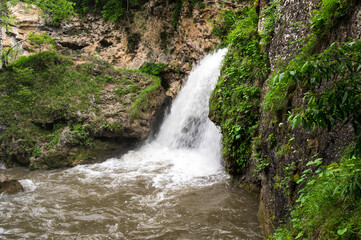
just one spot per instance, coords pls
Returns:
(65, 204)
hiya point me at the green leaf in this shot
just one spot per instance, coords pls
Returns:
(299, 235)
(341, 231)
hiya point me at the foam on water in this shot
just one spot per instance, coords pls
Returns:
(28, 185)
(2, 165)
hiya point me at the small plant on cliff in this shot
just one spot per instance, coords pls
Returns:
(270, 16)
(323, 19)
(226, 20)
(41, 40)
(57, 10)
(153, 68)
(176, 13)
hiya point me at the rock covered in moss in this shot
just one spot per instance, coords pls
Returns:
(59, 113)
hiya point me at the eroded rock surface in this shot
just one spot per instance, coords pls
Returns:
(144, 36)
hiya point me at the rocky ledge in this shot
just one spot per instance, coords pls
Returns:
(61, 113)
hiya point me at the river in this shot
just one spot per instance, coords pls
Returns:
(172, 187)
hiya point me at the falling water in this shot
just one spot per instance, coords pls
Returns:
(173, 187)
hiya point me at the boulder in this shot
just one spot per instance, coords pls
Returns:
(9, 186)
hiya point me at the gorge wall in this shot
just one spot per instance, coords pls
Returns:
(260, 93)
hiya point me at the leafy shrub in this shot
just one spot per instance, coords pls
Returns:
(324, 18)
(41, 39)
(81, 137)
(58, 10)
(224, 23)
(113, 10)
(333, 95)
(322, 21)
(153, 68)
(235, 100)
(329, 205)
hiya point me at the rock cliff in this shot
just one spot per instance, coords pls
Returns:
(263, 148)
(292, 26)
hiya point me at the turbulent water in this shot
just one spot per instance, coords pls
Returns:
(173, 187)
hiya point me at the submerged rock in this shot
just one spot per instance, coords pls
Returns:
(9, 186)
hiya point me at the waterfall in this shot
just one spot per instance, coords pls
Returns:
(187, 125)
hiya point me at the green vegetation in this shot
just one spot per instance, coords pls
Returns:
(142, 103)
(323, 20)
(332, 99)
(270, 16)
(63, 10)
(153, 68)
(58, 10)
(38, 92)
(282, 86)
(176, 13)
(226, 21)
(40, 40)
(236, 100)
(329, 84)
(27, 87)
(339, 69)
(112, 10)
(329, 205)
(42, 95)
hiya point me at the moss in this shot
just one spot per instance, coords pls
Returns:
(142, 102)
(41, 61)
(270, 15)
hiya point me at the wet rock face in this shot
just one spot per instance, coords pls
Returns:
(9, 186)
(290, 27)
